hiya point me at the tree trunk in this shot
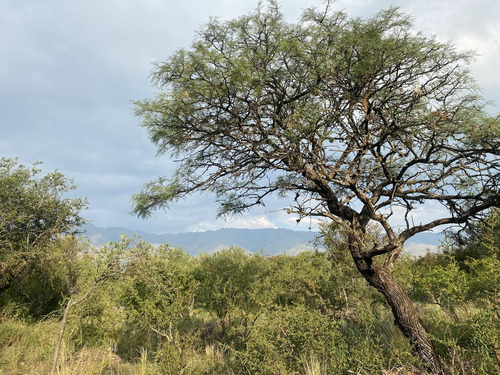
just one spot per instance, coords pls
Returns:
(64, 320)
(405, 315)
(60, 337)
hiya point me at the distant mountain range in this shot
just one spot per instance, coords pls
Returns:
(267, 241)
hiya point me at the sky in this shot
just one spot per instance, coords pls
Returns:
(69, 71)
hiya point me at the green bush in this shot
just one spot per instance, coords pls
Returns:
(286, 338)
(232, 287)
(162, 311)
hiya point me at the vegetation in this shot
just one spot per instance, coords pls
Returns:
(353, 120)
(131, 308)
(357, 119)
(35, 260)
(161, 311)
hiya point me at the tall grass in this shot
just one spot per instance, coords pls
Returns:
(27, 348)
(313, 366)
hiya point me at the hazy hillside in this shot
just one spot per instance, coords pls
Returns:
(269, 241)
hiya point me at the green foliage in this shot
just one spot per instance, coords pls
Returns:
(37, 263)
(47, 280)
(100, 318)
(25, 348)
(285, 339)
(34, 209)
(159, 288)
(161, 311)
(165, 312)
(232, 286)
(481, 239)
(304, 280)
(445, 285)
(158, 294)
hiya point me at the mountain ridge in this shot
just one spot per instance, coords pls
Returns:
(270, 241)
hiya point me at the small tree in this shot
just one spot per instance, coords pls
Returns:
(356, 120)
(232, 287)
(33, 212)
(159, 291)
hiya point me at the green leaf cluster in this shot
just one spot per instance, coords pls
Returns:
(36, 260)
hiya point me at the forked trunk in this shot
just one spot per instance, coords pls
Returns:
(405, 314)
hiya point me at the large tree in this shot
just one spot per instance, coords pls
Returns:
(358, 121)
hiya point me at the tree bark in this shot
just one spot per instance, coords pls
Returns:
(403, 309)
(64, 320)
(60, 337)
(404, 312)
(406, 316)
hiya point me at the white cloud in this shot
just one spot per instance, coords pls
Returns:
(290, 221)
(242, 222)
(420, 249)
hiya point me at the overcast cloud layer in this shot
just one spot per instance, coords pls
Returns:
(70, 69)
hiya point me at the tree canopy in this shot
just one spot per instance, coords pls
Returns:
(359, 118)
(33, 211)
